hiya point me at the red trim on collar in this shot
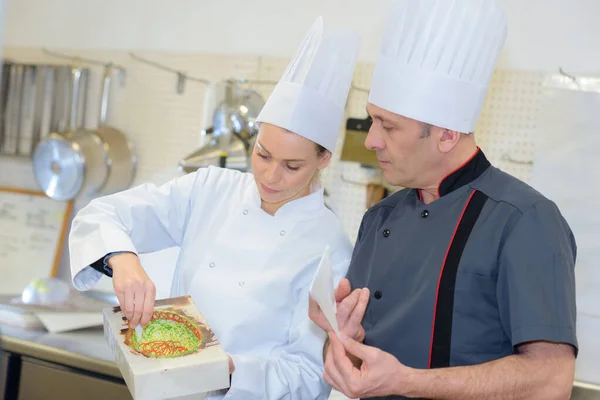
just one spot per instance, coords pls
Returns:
(457, 169)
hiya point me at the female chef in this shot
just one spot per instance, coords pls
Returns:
(249, 243)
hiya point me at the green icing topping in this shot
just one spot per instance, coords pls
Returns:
(166, 339)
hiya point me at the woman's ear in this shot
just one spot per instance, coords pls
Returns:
(325, 159)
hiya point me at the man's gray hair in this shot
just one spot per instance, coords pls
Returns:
(425, 130)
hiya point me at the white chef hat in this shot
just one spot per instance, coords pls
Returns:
(436, 60)
(310, 97)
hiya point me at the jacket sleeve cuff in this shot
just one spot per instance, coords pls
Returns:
(247, 379)
(89, 256)
(102, 266)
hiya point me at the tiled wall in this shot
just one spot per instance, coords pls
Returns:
(165, 125)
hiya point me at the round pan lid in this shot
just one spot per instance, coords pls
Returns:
(59, 167)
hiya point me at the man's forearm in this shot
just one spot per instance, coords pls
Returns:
(510, 378)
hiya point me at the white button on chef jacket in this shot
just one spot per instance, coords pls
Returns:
(248, 272)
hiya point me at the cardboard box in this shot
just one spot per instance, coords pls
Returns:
(178, 354)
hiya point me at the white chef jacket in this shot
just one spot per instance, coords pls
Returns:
(247, 271)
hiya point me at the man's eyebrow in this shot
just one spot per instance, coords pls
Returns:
(382, 119)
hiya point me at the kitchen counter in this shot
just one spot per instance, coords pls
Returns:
(83, 349)
(86, 350)
(69, 366)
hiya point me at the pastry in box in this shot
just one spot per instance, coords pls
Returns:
(177, 354)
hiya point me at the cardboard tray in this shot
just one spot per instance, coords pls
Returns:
(178, 354)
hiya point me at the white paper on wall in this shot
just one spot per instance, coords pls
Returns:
(566, 169)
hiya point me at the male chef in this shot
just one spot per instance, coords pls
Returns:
(463, 282)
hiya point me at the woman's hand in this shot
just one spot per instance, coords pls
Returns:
(134, 289)
(231, 365)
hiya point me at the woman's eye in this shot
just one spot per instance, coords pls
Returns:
(264, 157)
(387, 128)
(292, 168)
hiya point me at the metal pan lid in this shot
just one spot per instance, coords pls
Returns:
(59, 168)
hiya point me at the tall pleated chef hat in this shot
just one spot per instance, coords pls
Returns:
(436, 60)
(309, 98)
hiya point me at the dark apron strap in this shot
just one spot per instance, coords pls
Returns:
(441, 338)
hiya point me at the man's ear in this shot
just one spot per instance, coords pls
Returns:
(448, 140)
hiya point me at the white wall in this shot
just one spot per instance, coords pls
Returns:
(543, 34)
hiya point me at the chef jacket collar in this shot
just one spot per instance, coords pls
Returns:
(296, 208)
(463, 175)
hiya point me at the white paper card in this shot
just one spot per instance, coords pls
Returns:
(56, 322)
(322, 290)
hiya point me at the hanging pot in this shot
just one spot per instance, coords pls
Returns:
(27, 114)
(238, 111)
(233, 133)
(122, 157)
(61, 100)
(211, 154)
(45, 91)
(12, 112)
(4, 99)
(72, 163)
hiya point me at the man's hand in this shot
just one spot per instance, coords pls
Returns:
(380, 373)
(350, 311)
(134, 289)
(541, 370)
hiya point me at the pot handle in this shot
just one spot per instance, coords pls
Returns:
(75, 92)
(105, 94)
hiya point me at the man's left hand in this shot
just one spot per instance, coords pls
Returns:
(380, 374)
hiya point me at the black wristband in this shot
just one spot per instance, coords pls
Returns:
(101, 266)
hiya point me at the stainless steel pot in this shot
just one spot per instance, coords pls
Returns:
(73, 163)
(122, 157)
(4, 91)
(12, 115)
(62, 87)
(61, 100)
(238, 110)
(28, 112)
(44, 99)
(233, 133)
(35, 102)
(246, 108)
(38, 96)
(238, 157)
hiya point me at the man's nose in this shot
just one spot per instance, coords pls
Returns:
(373, 140)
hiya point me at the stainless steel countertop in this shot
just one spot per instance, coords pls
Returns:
(85, 349)
(585, 391)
